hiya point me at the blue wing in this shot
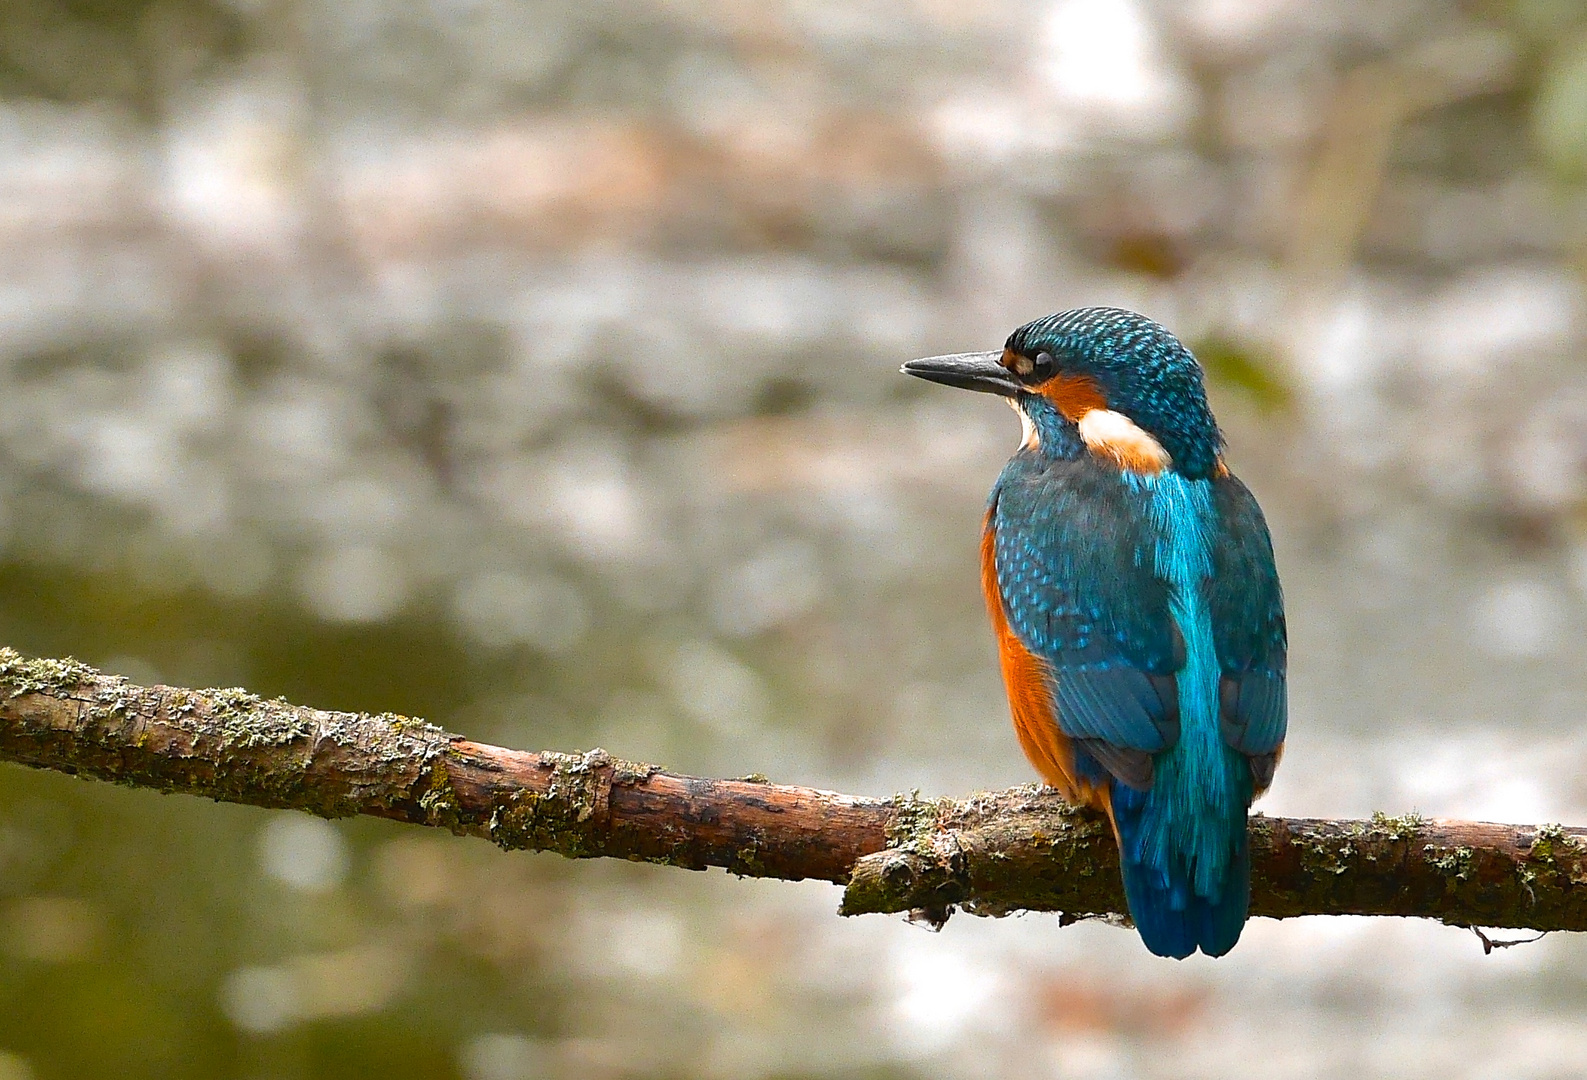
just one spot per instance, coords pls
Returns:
(1248, 630)
(1074, 565)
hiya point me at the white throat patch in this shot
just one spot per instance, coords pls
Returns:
(1029, 438)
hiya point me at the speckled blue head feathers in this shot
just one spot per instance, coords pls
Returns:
(1141, 370)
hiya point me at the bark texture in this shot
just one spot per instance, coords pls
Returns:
(991, 853)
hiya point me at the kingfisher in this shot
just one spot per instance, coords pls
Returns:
(1139, 620)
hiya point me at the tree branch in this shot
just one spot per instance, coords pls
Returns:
(991, 853)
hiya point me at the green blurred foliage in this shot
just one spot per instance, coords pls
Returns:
(1559, 116)
(1249, 371)
(133, 53)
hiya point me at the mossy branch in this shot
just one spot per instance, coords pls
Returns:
(990, 853)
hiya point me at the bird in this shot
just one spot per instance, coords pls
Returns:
(1137, 609)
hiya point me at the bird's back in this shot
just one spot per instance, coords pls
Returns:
(1109, 586)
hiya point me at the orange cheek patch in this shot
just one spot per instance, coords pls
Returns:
(1073, 395)
(1025, 678)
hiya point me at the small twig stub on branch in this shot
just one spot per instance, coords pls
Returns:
(991, 853)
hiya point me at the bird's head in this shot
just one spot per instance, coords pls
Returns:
(1114, 380)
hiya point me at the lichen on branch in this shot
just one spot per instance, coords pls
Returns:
(990, 853)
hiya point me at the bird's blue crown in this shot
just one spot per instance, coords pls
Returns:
(1141, 371)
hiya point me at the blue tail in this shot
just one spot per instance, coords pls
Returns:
(1183, 847)
(1176, 908)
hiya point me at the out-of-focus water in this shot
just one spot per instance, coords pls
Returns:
(532, 367)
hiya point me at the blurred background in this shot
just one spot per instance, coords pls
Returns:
(531, 366)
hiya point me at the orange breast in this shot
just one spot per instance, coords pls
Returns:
(1026, 679)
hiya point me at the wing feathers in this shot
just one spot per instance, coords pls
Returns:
(1249, 631)
(1131, 767)
(1073, 567)
(1072, 548)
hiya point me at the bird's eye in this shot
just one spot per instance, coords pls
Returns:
(1030, 369)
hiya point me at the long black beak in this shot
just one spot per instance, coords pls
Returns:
(968, 371)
